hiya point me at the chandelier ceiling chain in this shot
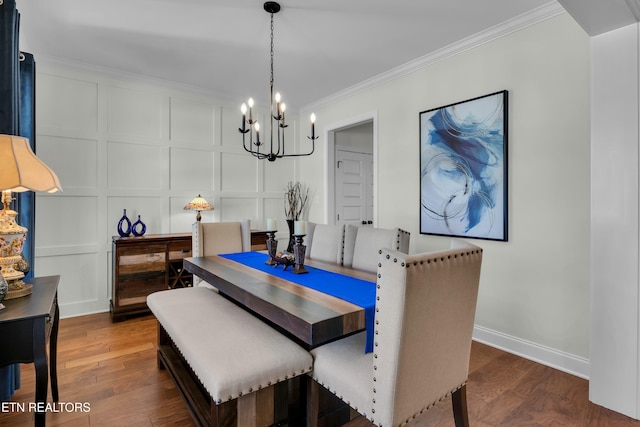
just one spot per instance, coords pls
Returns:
(276, 148)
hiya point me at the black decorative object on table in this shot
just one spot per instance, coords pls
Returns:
(295, 199)
(285, 259)
(272, 247)
(124, 225)
(299, 253)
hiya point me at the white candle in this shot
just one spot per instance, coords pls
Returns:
(272, 224)
(299, 228)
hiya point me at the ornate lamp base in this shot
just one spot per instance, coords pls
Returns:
(18, 289)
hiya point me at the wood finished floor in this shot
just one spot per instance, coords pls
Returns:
(113, 368)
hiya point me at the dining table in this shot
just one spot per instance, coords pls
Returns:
(327, 303)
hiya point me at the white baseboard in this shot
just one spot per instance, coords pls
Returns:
(569, 363)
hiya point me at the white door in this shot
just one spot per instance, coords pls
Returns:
(354, 187)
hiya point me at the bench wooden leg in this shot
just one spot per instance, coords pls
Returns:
(459, 403)
(313, 402)
(163, 338)
(262, 408)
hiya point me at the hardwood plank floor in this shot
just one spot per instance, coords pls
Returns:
(112, 366)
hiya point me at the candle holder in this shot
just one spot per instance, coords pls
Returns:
(299, 252)
(272, 247)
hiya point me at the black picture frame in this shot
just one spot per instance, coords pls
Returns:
(463, 168)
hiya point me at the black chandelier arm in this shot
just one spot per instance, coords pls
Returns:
(252, 143)
(313, 148)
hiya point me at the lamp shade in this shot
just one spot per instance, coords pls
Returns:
(21, 170)
(198, 204)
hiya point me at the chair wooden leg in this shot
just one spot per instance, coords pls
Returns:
(459, 403)
(313, 402)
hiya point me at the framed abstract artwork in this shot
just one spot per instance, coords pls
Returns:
(463, 168)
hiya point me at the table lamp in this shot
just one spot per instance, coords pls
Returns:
(198, 204)
(20, 170)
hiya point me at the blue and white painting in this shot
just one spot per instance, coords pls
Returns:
(463, 174)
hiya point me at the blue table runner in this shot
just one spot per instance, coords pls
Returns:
(356, 291)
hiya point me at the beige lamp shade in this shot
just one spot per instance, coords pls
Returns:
(21, 170)
(198, 204)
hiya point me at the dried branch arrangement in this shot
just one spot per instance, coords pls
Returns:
(295, 198)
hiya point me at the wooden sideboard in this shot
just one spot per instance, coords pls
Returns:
(146, 264)
(258, 240)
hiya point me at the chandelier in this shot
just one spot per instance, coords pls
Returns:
(276, 147)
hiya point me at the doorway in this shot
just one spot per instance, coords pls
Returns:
(352, 172)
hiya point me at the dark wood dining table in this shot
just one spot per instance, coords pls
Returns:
(309, 316)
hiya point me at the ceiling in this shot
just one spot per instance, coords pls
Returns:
(221, 47)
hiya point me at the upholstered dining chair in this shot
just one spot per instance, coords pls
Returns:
(424, 317)
(325, 242)
(361, 245)
(213, 238)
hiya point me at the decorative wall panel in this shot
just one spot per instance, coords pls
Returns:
(77, 279)
(134, 167)
(237, 208)
(135, 113)
(231, 122)
(56, 152)
(66, 104)
(192, 123)
(239, 172)
(277, 174)
(64, 221)
(191, 170)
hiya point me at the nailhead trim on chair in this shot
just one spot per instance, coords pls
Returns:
(375, 356)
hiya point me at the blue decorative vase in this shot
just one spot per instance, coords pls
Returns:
(124, 225)
(138, 228)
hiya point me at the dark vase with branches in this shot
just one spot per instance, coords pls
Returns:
(295, 199)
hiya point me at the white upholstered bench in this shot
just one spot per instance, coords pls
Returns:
(228, 364)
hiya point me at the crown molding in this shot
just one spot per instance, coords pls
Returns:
(518, 23)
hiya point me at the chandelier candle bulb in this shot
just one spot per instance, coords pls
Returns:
(243, 109)
(278, 105)
(312, 117)
(256, 126)
(283, 107)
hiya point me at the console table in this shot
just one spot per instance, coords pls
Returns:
(146, 264)
(150, 263)
(25, 325)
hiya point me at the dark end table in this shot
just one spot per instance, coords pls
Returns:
(26, 324)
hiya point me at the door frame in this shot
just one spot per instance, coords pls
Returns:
(330, 164)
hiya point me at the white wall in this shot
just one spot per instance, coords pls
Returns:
(534, 293)
(615, 296)
(126, 144)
